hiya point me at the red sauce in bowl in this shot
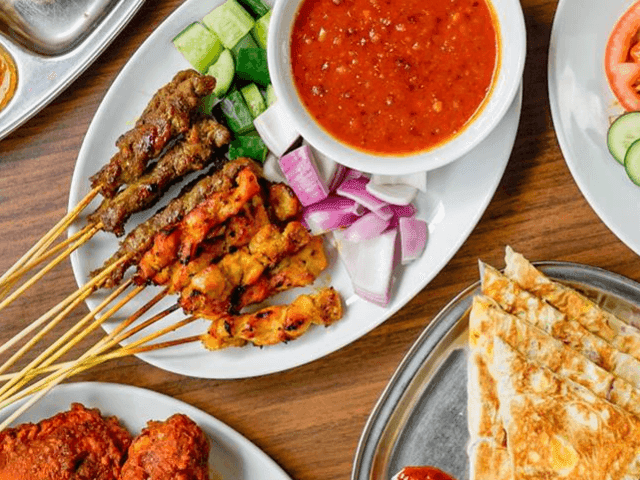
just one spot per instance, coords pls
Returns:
(394, 76)
(423, 473)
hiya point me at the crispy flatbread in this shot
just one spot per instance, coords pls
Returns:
(557, 429)
(488, 319)
(526, 306)
(621, 335)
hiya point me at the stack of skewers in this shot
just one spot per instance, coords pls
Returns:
(228, 241)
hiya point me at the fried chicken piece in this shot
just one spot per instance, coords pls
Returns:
(274, 324)
(169, 114)
(176, 449)
(211, 289)
(136, 243)
(284, 203)
(78, 444)
(194, 152)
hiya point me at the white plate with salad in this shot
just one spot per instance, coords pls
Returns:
(583, 108)
(455, 198)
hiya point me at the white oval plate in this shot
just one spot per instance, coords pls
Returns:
(581, 106)
(232, 456)
(458, 195)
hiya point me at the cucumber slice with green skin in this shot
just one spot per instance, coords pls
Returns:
(254, 99)
(199, 45)
(237, 113)
(246, 42)
(224, 71)
(230, 22)
(270, 95)
(632, 162)
(622, 133)
(257, 7)
(260, 30)
(251, 66)
(248, 146)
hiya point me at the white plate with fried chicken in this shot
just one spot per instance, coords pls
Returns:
(457, 196)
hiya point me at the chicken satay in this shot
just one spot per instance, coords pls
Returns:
(194, 152)
(212, 288)
(298, 270)
(79, 444)
(274, 324)
(176, 449)
(283, 203)
(169, 114)
(136, 243)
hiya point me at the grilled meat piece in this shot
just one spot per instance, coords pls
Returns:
(283, 203)
(194, 152)
(169, 114)
(275, 324)
(78, 444)
(136, 243)
(176, 449)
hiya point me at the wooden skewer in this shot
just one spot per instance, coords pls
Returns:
(52, 234)
(45, 270)
(10, 280)
(90, 286)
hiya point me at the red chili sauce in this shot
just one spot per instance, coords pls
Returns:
(423, 473)
(393, 76)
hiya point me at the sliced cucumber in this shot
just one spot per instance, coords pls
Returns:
(270, 95)
(199, 45)
(237, 113)
(230, 22)
(632, 162)
(248, 146)
(224, 71)
(260, 30)
(622, 133)
(254, 99)
(257, 7)
(251, 65)
(246, 42)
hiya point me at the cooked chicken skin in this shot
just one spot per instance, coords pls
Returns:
(176, 449)
(78, 444)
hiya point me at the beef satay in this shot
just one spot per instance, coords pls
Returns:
(194, 152)
(298, 270)
(136, 243)
(274, 324)
(169, 114)
(213, 287)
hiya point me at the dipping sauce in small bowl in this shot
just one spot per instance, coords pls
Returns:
(394, 77)
(8, 78)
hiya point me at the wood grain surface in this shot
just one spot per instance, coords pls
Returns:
(308, 419)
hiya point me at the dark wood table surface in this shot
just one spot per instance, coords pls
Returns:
(308, 419)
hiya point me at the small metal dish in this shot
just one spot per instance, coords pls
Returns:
(421, 416)
(52, 42)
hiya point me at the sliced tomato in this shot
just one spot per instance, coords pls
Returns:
(622, 72)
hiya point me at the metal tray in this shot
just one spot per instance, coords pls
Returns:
(51, 43)
(421, 416)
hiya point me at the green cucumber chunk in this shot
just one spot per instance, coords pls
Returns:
(632, 162)
(199, 45)
(237, 113)
(230, 22)
(224, 71)
(254, 99)
(270, 95)
(250, 146)
(622, 133)
(251, 66)
(260, 30)
(246, 42)
(257, 7)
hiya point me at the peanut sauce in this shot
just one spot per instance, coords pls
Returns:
(394, 77)
(8, 78)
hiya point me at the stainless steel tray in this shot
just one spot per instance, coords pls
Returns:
(51, 43)
(421, 417)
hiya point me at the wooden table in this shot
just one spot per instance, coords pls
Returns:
(308, 419)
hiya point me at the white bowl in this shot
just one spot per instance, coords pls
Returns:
(512, 53)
